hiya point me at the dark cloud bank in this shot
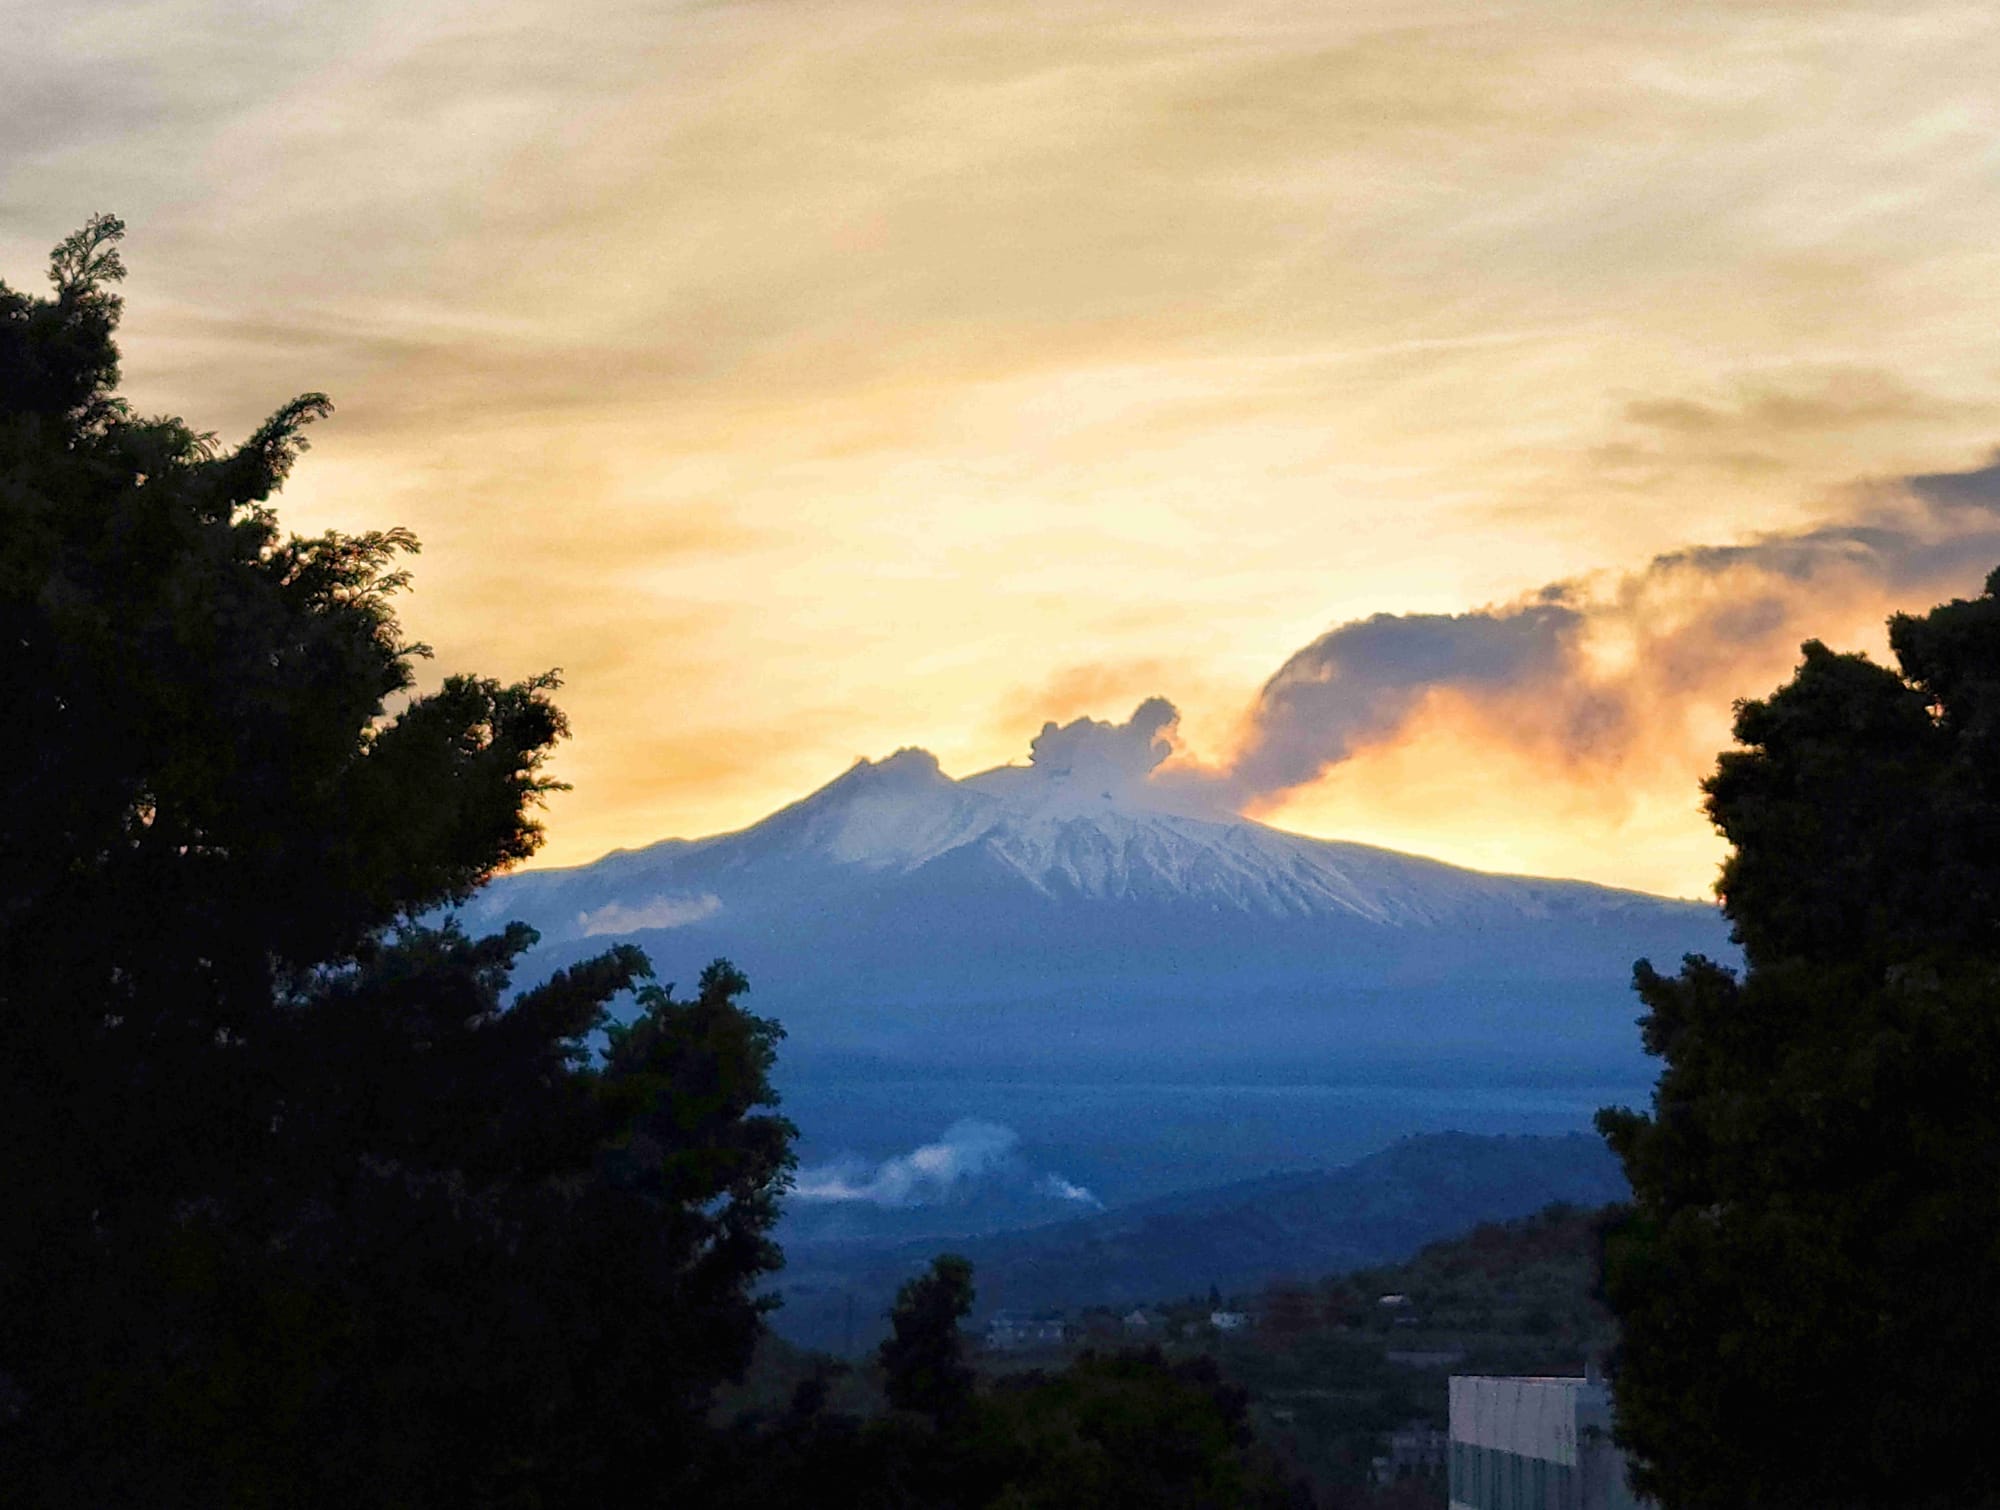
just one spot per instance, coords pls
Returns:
(1585, 670)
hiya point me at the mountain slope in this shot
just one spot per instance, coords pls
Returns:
(1066, 913)
(1038, 835)
(1148, 996)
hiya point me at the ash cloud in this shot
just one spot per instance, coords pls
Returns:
(1090, 752)
(1357, 683)
(1592, 669)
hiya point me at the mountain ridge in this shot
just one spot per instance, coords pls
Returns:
(1295, 1224)
(1061, 840)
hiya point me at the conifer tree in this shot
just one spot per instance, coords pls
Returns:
(1804, 1279)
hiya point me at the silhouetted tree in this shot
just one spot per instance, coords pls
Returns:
(924, 1368)
(296, 1208)
(1804, 1280)
(1125, 1431)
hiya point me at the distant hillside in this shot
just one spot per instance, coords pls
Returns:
(1236, 1237)
(1332, 1371)
(1524, 1284)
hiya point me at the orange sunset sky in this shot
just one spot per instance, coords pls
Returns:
(808, 380)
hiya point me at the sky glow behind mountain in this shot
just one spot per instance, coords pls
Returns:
(1449, 409)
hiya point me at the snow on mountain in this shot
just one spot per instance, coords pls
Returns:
(1060, 832)
(892, 814)
(1081, 910)
(1149, 993)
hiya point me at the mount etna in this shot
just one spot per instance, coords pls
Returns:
(1026, 994)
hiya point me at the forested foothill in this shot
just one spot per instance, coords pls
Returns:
(1343, 1377)
(1379, 1209)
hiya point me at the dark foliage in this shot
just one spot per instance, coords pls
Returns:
(923, 1358)
(1804, 1278)
(1524, 1283)
(1126, 1431)
(1118, 1431)
(299, 1210)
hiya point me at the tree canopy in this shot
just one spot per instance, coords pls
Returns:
(923, 1358)
(1804, 1277)
(1120, 1431)
(300, 1207)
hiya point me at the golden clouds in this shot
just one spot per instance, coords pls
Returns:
(1597, 704)
(808, 379)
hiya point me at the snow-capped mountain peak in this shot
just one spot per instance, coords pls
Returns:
(1085, 824)
(1078, 832)
(890, 814)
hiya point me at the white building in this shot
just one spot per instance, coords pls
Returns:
(1535, 1444)
(1009, 1330)
(1418, 1450)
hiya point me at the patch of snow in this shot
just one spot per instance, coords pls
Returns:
(654, 912)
